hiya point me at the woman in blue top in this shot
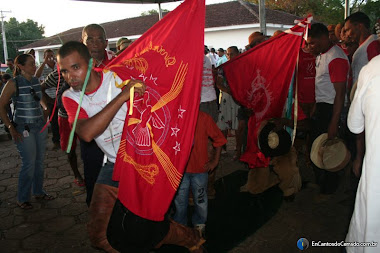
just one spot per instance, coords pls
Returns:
(25, 92)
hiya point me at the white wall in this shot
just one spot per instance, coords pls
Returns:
(220, 37)
(223, 38)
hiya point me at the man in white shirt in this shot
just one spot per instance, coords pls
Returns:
(332, 68)
(208, 93)
(357, 27)
(214, 54)
(211, 57)
(47, 67)
(364, 115)
(102, 117)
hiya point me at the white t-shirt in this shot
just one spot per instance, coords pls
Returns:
(364, 113)
(212, 60)
(360, 57)
(208, 90)
(214, 55)
(330, 67)
(93, 103)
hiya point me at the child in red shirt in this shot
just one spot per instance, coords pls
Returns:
(196, 173)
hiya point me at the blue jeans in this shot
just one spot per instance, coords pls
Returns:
(105, 175)
(32, 152)
(198, 184)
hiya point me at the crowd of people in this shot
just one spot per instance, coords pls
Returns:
(329, 72)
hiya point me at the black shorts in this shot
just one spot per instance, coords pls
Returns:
(128, 232)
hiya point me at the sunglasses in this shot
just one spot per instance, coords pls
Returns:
(33, 93)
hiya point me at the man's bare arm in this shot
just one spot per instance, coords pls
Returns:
(88, 129)
(340, 90)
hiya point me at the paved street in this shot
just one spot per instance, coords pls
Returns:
(60, 225)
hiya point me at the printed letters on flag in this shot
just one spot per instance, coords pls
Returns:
(259, 80)
(158, 136)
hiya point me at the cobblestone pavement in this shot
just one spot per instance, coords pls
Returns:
(60, 225)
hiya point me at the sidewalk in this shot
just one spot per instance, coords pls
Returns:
(60, 225)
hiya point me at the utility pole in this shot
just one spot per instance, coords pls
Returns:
(159, 11)
(263, 24)
(4, 37)
(347, 9)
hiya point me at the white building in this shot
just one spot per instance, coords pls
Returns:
(227, 24)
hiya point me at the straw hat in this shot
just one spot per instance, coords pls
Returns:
(273, 142)
(331, 155)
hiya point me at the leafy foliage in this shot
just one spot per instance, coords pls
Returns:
(325, 11)
(371, 8)
(152, 12)
(20, 34)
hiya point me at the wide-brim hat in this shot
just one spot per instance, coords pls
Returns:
(331, 155)
(273, 142)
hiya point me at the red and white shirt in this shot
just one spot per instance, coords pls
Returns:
(330, 67)
(306, 77)
(366, 51)
(208, 90)
(108, 57)
(93, 103)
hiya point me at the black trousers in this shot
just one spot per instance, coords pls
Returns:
(327, 181)
(92, 157)
(128, 232)
(54, 125)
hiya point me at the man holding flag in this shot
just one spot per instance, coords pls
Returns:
(97, 119)
(151, 149)
(104, 121)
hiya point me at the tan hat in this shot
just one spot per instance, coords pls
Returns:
(331, 155)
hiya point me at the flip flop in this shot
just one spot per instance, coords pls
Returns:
(25, 205)
(78, 182)
(45, 197)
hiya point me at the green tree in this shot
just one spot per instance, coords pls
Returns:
(152, 12)
(371, 8)
(325, 11)
(20, 34)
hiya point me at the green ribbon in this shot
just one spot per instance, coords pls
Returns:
(79, 106)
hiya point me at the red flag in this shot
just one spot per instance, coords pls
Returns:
(158, 136)
(259, 79)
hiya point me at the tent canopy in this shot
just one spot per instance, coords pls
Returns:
(159, 2)
(132, 1)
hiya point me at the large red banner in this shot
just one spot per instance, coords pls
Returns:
(158, 136)
(260, 78)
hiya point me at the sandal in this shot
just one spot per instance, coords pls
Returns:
(79, 182)
(45, 197)
(25, 205)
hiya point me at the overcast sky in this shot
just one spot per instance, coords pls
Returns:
(61, 15)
